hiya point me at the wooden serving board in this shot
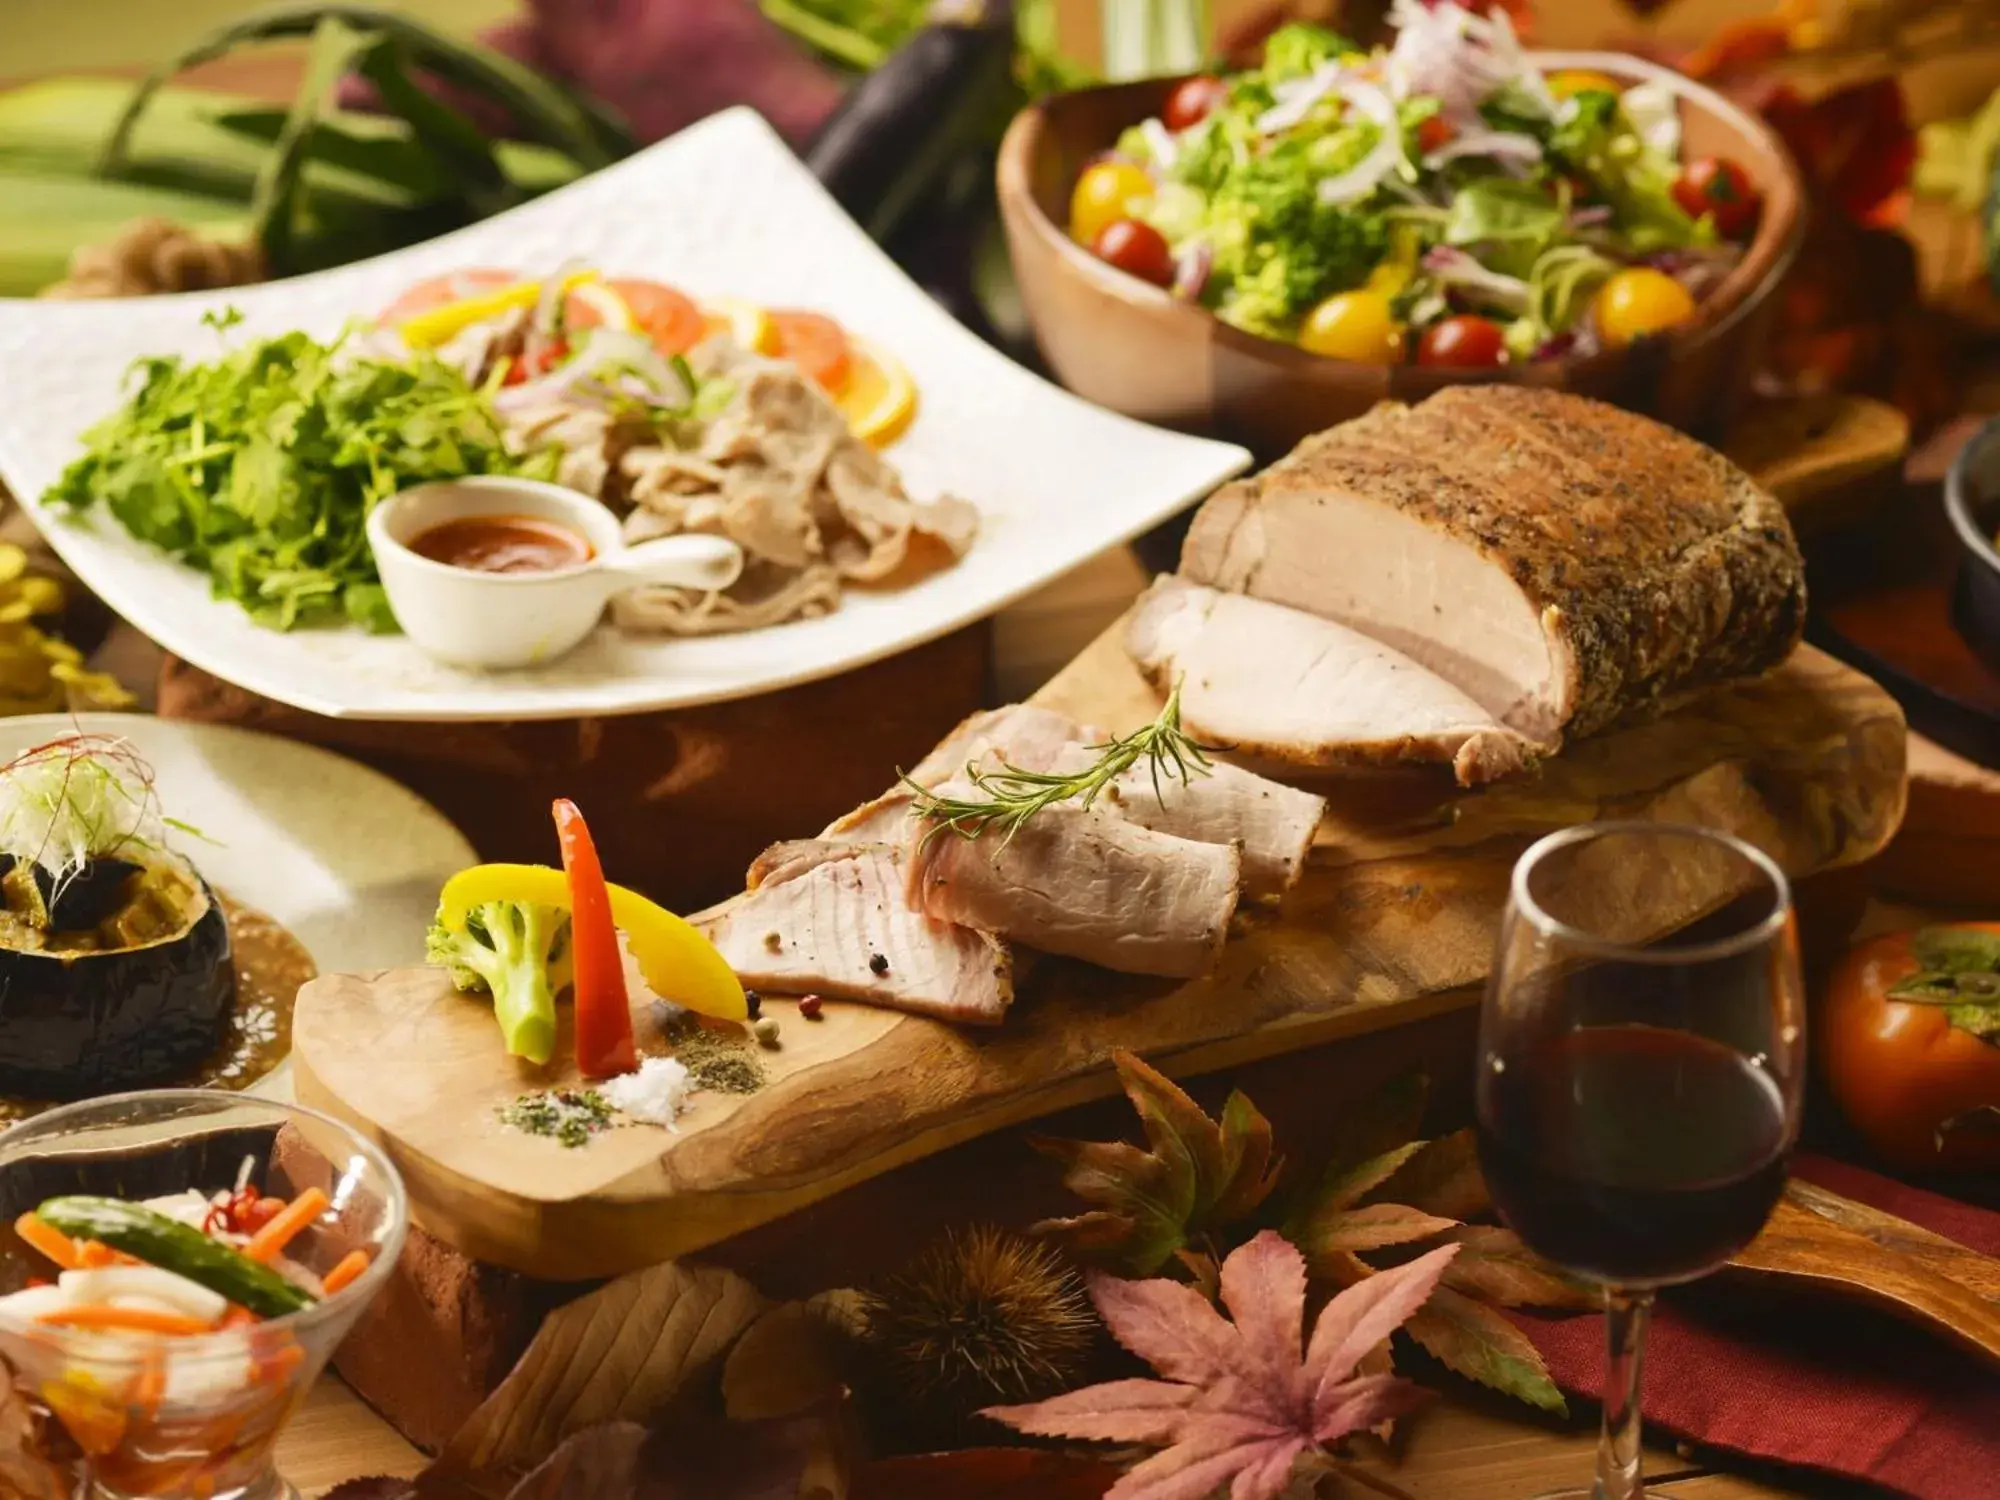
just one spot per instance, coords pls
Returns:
(1393, 921)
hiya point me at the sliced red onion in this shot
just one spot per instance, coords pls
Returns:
(1445, 52)
(1371, 102)
(1452, 267)
(1192, 272)
(1161, 142)
(1501, 145)
(1590, 217)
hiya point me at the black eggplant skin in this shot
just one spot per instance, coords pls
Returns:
(76, 1025)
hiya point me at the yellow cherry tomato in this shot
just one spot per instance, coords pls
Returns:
(1569, 82)
(1105, 194)
(1354, 325)
(1637, 301)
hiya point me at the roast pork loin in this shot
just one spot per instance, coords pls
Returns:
(1563, 563)
(833, 919)
(1279, 684)
(1273, 822)
(1084, 883)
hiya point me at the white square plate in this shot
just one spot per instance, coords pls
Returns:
(722, 209)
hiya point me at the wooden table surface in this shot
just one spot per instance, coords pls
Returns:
(1452, 1452)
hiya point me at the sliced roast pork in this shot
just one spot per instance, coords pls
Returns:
(1274, 823)
(1084, 883)
(1283, 685)
(1563, 563)
(834, 919)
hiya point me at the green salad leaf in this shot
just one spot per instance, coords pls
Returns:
(1295, 50)
(1595, 140)
(1502, 211)
(260, 467)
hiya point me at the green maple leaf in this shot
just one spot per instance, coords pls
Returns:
(1384, 1196)
(1194, 1176)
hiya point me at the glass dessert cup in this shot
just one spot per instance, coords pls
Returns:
(131, 1415)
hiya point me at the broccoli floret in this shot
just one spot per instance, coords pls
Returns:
(1278, 248)
(519, 953)
(1295, 50)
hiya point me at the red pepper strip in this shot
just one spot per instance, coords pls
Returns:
(604, 1045)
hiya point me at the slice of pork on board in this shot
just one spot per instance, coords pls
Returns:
(1279, 684)
(1273, 822)
(1085, 884)
(833, 919)
(1564, 563)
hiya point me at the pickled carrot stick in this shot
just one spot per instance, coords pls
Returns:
(130, 1319)
(266, 1244)
(50, 1241)
(239, 1317)
(344, 1273)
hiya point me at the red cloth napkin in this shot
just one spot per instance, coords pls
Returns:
(1806, 1380)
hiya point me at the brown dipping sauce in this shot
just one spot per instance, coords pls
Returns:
(502, 544)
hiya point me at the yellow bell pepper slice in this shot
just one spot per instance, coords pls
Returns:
(429, 329)
(678, 963)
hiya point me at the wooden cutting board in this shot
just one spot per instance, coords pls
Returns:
(1393, 921)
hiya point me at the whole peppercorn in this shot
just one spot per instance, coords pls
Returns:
(811, 1006)
(765, 1030)
(753, 1004)
(878, 964)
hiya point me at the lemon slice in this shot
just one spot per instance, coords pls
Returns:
(879, 398)
(441, 324)
(611, 309)
(743, 321)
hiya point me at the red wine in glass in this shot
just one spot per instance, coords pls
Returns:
(1641, 1064)
(1633, 1154)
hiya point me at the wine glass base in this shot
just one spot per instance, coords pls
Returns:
(1586, 1492)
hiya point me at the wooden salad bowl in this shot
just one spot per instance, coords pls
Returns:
(1138, 349)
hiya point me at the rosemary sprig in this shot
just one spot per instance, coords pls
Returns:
(1012, 796)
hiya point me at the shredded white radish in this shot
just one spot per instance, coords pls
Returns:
(1296, 98)
(1357, 182)
(1501, 145)
(1655, 112)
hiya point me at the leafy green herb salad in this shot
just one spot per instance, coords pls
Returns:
(1443, 200)
(260, 466)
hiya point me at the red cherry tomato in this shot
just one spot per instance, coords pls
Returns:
(438, 291)
(1434, 132)
(1136, 249)
(1465, 342)
(1192, 101)
(816, 344)
(1718, 187)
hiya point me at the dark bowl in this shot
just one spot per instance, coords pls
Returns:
(1135, 348)
(1972, 505)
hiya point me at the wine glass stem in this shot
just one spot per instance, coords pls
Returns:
(1620, 1460)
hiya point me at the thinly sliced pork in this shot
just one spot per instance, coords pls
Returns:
(1283, 685)
(1086, 884)
(1274, 823)
(834, 919)
(1563, 563)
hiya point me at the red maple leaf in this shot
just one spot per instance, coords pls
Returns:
(1243, 1401)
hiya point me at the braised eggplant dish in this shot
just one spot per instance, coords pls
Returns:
(115, 962)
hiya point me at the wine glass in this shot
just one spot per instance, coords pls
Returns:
(1641, 1063)
(194, 1415)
